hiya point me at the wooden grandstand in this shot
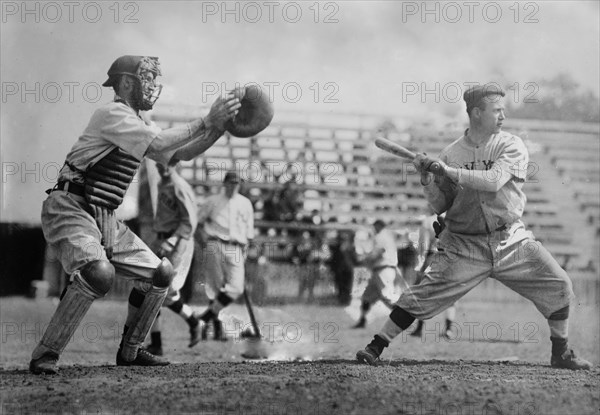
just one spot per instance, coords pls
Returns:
(351, 183)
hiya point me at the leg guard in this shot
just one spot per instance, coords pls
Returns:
(90, 282)
(145, 316)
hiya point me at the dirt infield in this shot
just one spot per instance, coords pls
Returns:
(497, 365)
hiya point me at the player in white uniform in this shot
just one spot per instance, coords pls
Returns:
(78, 218)
(383, 261)
(175, 223)
(228, 227)
(479, 186)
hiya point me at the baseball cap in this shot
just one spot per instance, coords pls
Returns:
(231, 177)
(475, 94)
(379, 223)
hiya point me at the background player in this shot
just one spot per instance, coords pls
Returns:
(431, 227)
(383, 261)
(175, 223)
(78, 218)
(228, 227)
(479, 186)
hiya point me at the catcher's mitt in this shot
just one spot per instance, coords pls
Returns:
(255, 114)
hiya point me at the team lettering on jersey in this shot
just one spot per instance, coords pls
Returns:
(477, 164)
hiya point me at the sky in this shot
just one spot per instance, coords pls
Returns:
(405, 60)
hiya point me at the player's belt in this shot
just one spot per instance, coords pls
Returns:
(382, 267)
(69, 187)
(223, 241)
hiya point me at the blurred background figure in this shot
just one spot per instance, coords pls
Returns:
(431, 226)
(174, 224)
(342, 262)
(383, 262)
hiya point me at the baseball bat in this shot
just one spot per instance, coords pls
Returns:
(251, 313)
(402, 152)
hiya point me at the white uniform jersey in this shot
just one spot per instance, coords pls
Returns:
(474, 211)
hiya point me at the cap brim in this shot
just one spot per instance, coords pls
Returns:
(109, 82)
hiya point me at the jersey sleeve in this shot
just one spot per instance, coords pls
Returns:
(514, 158)
(120, 126)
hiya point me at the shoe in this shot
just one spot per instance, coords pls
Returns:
(204, 332)
(155, 350)
(568, 360)
(195, 335)
(143, 358)
(362, 323)
(368, 356)
(218, 334)
(448, 334)
(46, 364)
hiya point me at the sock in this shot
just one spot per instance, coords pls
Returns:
(378, 344)
(125, 328)
(559, 328)
(207, 316)
(192, 321)
(389, 331)
(448, 324)
(559, 345)
(156, 339)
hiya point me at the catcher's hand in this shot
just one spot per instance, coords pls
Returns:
(221, 111)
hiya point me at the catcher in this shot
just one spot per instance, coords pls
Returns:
(78, 217)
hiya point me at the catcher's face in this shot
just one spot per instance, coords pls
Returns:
(149, 89)
(492, 117)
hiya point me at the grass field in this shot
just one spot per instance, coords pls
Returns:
(499, 363)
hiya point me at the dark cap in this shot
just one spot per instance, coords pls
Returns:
(379, 224)
(474, 95)
(232, 177)
(129, 65)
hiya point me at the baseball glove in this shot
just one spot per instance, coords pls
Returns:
(255, 114)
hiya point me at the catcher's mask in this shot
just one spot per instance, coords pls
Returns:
(143, 68)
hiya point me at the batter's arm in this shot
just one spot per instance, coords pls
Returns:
(483, 180)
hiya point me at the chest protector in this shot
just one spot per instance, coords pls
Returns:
(107, 181)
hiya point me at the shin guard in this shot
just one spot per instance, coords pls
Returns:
(143, 322)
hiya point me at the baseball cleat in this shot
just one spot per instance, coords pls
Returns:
(155, 350)
(568, 360)
(362, 323)
(46, 364)
(195, 335)
(367, 356)
(143, 358)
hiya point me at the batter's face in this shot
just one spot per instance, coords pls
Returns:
(492, 116)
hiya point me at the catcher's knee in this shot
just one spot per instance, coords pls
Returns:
(99, 275)
(163, 274)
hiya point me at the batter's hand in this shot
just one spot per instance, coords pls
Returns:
(221, 111)
(424, 163)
